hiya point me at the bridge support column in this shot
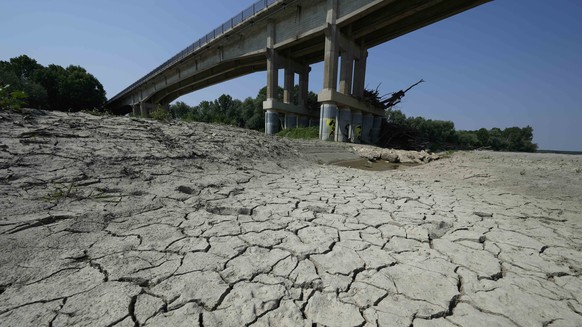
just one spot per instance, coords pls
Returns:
(360, 75)
(345, 87)
(356, 127)
(327, 123)
(288, 86)
(328, 115)
(272, 122)
(344, 122)
(303, 93)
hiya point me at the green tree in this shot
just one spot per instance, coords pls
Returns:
(25, 67)
(395, 116)
(52, 87)
(11, 100)
(483, 136)
(180, 110)
(20, 74)
(80, 90)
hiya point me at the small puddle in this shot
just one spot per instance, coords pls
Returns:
(378, 165)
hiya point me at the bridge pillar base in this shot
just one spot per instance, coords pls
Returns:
(356, 127)
(272, 123)
(344, 122)
(327, 124)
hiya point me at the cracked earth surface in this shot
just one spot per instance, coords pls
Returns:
(108, 221)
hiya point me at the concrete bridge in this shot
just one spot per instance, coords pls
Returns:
(290, 35)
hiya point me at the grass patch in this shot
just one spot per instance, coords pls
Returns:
(301, 133)
(60, 192)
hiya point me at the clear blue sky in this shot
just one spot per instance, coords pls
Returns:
(506, 63)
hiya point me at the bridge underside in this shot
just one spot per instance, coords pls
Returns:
(290, 36)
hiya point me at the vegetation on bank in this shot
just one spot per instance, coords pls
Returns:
(404, 132)
(301, 133)
(24, 82)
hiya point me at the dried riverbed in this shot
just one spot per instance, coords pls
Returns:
(110, 221)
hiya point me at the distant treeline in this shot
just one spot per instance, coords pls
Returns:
(420, 133)
(24, 82)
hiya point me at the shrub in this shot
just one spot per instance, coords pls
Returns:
(301, 132)
(160, 114)
(11, 100)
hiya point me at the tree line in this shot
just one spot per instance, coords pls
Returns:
(25, 82)
(420, 133)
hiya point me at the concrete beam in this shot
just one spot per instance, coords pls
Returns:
(360, 75)
(303, 87)
(346, 43)
(288, 86)
(344, 100)
(277, 106)
(331, 55)
(272, 63)
(346, 72)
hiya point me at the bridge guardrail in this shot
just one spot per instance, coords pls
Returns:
(243, 16)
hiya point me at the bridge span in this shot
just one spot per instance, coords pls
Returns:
(290, 35)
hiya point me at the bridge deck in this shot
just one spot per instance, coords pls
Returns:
(372, 23)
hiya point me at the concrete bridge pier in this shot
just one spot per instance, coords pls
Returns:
(329, 108)
(344, 117)
(284, 114)
(303, 94)
(272, 123)
(343, 114)
(327, 121)
(356, 127)
(344, 123)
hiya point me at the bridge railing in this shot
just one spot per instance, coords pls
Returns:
(243, 16)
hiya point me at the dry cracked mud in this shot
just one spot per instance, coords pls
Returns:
(112, 221)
